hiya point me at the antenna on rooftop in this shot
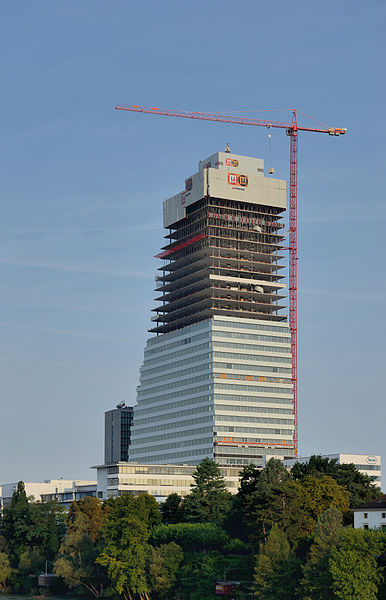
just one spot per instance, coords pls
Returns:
(227, 147)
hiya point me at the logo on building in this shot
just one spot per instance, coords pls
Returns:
(188, 184)
(234, 179)
(232, 162)
(371, 460)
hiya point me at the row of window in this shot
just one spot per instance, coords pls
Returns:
(171, 406)
(238, 418)
(256, 336)
(261, 399)
(199, 442)
(161, 398)
(176, 384)
(251, 430)
(368, 467)
(251, 388)
(172, 334)
(256, 358)
(208, 419)
(191, 457)
(227, 450)
(243, 376)
(249, 336)
(150, 482)
(246, 367)
(178, 354)
(189, 340)
(149, 381)
(254, 326)
(253, 409)
(174, 415)
(145, 373)
(255, 347)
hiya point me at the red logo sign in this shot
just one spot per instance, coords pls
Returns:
(231, 162)
(234, 179)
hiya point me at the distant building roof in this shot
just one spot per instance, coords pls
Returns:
(378, 504)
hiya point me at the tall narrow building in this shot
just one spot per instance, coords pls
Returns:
(216, 377)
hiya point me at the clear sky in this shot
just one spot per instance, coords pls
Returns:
(82, 188)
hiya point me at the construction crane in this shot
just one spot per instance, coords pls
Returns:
(292, 130)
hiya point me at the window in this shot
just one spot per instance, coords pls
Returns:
(365, 526)
(383, 515)
(365, 515)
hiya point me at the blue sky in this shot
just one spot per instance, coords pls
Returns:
(83, 185)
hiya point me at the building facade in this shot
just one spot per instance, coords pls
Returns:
(368, 464)
(64, 491)
(158, 480)
(216, 380)
(371, 515)
(118, 423)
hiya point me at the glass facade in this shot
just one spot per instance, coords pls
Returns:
(233, 406)
(216, 379)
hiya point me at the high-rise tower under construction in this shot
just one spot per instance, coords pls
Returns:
(216, 377)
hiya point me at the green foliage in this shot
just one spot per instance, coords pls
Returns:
(199, 575)
(304, 501)
(361, 487)
(172, 509)
(353, 564)
(5, 571)
(29, 526)
(164, 565)
(16, 523)
(209, 501)
(92, 509)
(124, 535)
(144, 508)
(317, 580)
(277, 570)
(124, 557)
(76, 563)
(191, 536)
(260, 498)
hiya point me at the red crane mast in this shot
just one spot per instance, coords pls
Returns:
(292, 129)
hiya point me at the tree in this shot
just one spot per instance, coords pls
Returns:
(76, 563)
(16, 523)
(260, 498)
(277, 570)
(209, 501)
(304, 501)
(164, 565)
(317, 580)
(124, 535)
(172, 509)
(192, 537)
(92, 509)
(5, 571)
(361, 487)
(125, 558)
(353, 564)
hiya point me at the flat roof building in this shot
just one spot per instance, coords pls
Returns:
(118, 424)
(368, 464)
(64, 491)
(216, 380)
(158, 480)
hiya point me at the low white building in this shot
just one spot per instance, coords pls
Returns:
(64, 491)
(369, 464)
(371, 515)
(158, 480)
